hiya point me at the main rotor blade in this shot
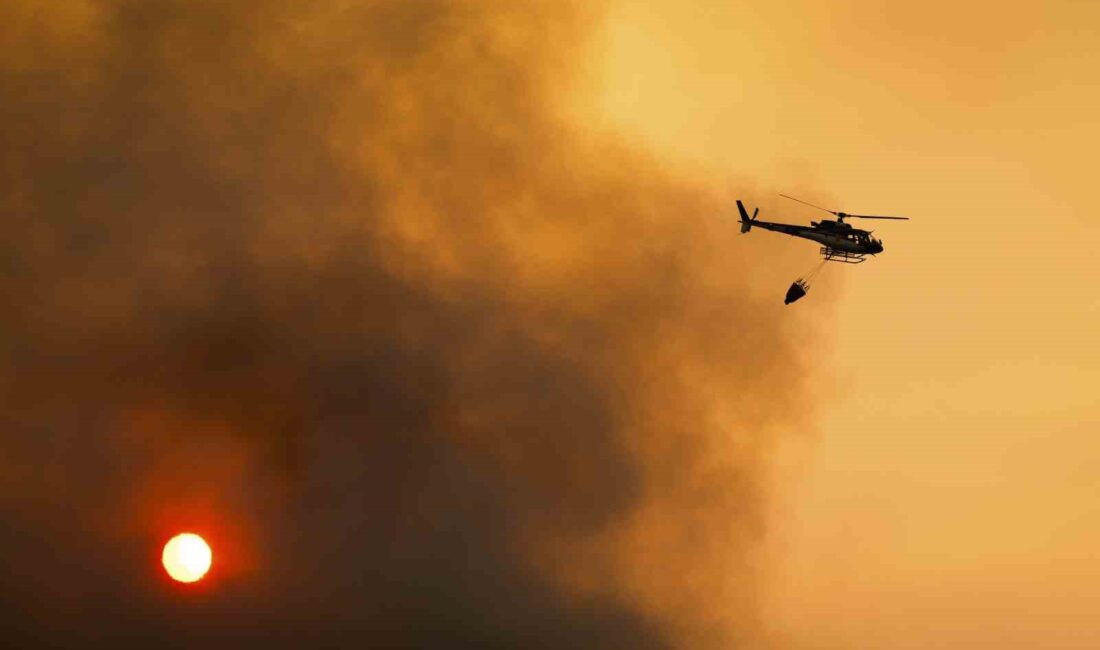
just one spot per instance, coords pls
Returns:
(871, 216)
(809, 204)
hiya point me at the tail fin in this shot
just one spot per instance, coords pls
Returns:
(746, 220)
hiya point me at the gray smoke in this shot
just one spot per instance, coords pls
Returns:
(338, 286)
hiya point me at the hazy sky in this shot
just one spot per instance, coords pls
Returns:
(949, 496)
(434, 318)
(365, 294)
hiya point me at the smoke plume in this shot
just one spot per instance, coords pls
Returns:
(348, 288)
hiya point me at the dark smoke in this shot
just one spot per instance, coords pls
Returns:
(339, 286)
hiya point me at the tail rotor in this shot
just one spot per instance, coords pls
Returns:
(746, 220)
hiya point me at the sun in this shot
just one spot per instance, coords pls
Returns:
(186, 557)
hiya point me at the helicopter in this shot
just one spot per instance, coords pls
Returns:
(840, 241)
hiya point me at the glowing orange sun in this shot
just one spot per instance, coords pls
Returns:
(186, 557)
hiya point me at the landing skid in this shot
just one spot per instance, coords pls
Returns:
(833, 255)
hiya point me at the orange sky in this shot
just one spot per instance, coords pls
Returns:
(949, 496)
(335, 282)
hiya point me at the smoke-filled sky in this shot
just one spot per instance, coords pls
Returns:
(950, 497)
(364, 293)
(433, 318)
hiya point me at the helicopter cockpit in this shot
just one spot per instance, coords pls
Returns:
(866, 240)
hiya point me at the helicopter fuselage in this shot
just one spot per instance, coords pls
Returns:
(836, 235)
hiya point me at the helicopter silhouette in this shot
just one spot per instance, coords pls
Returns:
(840, 241)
